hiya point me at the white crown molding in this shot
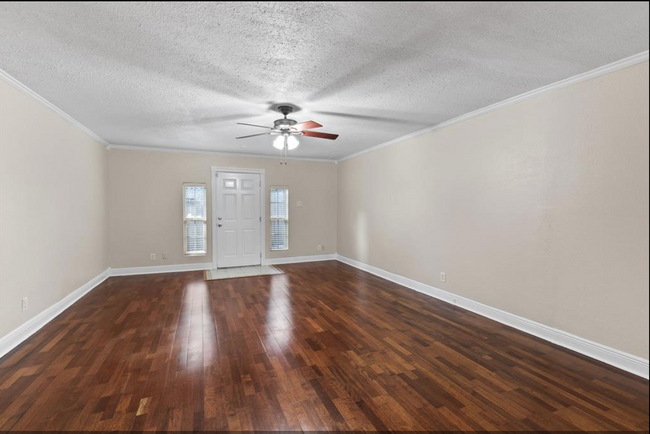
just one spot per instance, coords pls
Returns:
(16, 337)
(132, 271)
(26, 90)
(619, 359)
(612, 67)
(220, 153)
(299, 259)
(594, 73)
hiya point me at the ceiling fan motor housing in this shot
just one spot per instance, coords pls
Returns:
(284, 124)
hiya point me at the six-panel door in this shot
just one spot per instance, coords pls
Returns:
(238, 220)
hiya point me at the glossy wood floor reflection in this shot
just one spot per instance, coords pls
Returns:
(322, 347)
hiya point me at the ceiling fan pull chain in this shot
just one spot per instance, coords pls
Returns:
(285, 150)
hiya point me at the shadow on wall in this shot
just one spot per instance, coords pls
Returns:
(361, 232)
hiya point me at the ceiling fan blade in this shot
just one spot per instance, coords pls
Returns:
(253, 125)
(307, 126)
(320, 135)
(252, 135)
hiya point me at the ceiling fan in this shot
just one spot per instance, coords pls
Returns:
(287, 131)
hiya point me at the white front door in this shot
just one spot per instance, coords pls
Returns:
(238, 219)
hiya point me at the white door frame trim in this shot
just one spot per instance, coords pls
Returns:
(213, 198)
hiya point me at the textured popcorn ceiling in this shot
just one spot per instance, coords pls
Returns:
(181, 74)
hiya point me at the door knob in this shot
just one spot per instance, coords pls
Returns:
(219, 218)
(219, 225)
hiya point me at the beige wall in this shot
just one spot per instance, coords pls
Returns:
(146, 204)
(53, 215)
(539, 208)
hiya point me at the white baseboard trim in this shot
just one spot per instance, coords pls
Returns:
(16, 337)
(619, 359)
(20, 334)
(160, 269)
(208, 265)
(611, 356)
(299, 259)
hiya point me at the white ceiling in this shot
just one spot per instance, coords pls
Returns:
(180, 75)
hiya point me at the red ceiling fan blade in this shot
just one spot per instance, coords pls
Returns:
(320, 135)
(252, 135)
(253, 125)
(307, 126)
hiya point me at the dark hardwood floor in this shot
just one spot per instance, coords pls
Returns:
(322, 347)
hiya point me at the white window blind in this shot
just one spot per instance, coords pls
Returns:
(279, 218)
(194, 219)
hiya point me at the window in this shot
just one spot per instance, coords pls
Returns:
(279, 218)
(194, 219)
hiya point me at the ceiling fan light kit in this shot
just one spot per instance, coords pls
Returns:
(287, 131)
(292, 142)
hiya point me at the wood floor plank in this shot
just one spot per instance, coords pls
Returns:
(323, 347)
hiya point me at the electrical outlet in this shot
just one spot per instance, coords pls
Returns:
(25, 303)
(443, 277)
(299, 204)
(320, 247)
(153, 256)
(164, 255)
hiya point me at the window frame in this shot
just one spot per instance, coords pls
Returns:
(186, 220)
(271, 219)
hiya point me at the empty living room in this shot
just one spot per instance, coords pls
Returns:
(324, 216)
